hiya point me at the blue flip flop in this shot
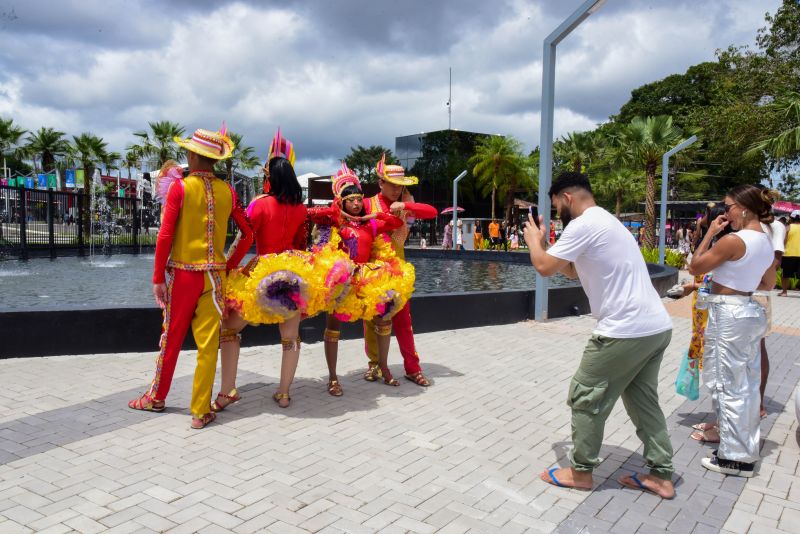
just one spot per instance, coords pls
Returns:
(553, 477)
(641, 486)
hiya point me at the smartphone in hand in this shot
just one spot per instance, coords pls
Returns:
(533, 211)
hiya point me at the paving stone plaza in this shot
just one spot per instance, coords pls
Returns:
(461, 456)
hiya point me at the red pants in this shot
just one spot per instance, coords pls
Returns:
(403, 332)
(190, 302)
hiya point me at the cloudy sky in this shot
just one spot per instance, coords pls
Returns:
(338, 73)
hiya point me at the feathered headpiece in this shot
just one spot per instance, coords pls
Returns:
(395, 174)
(344, 178)
(281, 147)
(166, 177)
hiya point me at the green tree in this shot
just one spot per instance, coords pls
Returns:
(786, 144)
(362, 161)
(498, 164)
(47, 144)
(132, 159)
(576, 150)
(622, 186)
(243, 157)
(789, 187)
(158, 142)
(647, 139)
(10, 137)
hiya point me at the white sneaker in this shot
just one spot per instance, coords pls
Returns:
(729, 467)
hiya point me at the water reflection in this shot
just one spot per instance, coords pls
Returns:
(119, 281)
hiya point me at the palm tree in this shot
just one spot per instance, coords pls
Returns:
(497, 162)
(620, 185)
(10, 136)
(576, 149)
(133, 157)
(47, 143)
(158, 144)
(244, 158)
(88, 149)
(787, 143)
(646, 140)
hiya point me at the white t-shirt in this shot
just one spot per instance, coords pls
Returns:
(777, 234)
(614, 276)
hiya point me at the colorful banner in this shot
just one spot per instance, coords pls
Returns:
(51, 181)
(41, 181)
(3, 181)
(69, 176)
(121, 192)
(29, 182)
(79, 178)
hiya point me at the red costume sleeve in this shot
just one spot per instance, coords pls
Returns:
(167, 231)
(300, 240)
(386, 222)
(420, 210)
(330, 215)
(245, 239)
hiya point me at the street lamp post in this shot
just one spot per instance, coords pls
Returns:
(662, 228)
(546, 136)
(455, 208)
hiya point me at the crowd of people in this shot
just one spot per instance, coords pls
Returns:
(354, 269)
(736, 257)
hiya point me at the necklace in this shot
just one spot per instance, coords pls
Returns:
(203, 174)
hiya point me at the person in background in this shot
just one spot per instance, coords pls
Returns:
(790, 264)
(477, 236)
(494, 234)
(504, 235)
(447, 239)
(741, 262)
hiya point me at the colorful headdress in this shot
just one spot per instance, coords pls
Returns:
(214, 145)
(344, 178)
(281, 147)
(395, 174)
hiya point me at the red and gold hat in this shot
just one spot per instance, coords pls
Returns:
(343, 179)
(214, 145)
(395, 174)
(281, 147)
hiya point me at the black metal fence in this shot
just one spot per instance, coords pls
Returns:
(35, 222)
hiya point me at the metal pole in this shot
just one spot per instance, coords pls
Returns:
(455, 209)
(662, 228)
(546, 132)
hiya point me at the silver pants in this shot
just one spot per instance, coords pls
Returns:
(732, 371)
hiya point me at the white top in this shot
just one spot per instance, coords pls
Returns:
(746, 273)
(777, 233)
(614, 276)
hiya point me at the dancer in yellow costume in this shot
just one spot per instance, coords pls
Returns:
(190, 270)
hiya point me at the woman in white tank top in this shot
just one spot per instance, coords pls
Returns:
(740, 261)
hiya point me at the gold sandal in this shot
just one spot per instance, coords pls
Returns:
(334, 388)
(202, 422)
(388, 379)
(278, 397)
(373, 373)
(223, 401)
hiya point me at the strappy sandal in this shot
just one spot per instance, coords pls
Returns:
(419, 379)
(387, 378)
(202, 422)
(373, 373)
(147, 403)
(334, 388)
(278, 397)
(223, 401)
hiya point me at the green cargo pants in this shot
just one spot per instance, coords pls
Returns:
(611, 368)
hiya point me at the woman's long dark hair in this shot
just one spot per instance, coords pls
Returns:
(283, 184)
(757, 200)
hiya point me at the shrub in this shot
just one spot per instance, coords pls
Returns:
(673, 258)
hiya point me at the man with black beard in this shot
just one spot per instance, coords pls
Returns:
(624, 354)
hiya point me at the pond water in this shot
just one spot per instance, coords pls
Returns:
(123, 281)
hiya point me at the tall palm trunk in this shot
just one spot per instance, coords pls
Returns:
(618, 208)
(576, 165)
(650, 207)
(494, 191)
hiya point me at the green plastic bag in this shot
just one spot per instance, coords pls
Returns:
(688, 381)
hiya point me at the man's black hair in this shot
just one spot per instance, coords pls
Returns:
(569, 180)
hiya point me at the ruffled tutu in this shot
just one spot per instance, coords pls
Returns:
(379, 289)
(296, 282)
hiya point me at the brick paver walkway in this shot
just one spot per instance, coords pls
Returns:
(461, 456)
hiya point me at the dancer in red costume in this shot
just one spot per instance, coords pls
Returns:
(358, 232)
(279, 222)
(190, 249)
(394, 198)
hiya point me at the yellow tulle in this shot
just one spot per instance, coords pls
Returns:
(387, 281)
(331, 277)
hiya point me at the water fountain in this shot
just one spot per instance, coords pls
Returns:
(99, 218)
